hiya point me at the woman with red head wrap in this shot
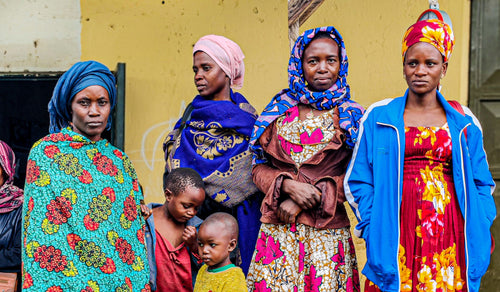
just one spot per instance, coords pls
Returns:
(419, 180)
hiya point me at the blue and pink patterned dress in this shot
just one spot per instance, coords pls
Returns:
(82, 228)
(297, 257)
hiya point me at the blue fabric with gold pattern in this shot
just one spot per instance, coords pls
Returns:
(215, 143)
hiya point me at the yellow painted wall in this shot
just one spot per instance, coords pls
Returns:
(373, 31)
(155, 40)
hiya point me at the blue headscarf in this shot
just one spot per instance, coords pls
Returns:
(77, 78)
(338, 95)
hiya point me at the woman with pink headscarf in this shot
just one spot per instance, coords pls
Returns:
(419, 180)
(212, 137)
(11, 202)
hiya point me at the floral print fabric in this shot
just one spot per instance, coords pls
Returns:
(82, 228)
(339, 95)
(297, 257)
(302, 139)
(432, 247)
(431, 31)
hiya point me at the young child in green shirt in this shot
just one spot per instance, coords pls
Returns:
(217, 237)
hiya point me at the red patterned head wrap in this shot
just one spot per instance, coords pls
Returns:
(432, 31)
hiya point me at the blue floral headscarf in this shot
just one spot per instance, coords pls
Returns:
(338, 95)
(77, 78)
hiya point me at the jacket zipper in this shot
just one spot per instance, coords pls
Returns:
(399, 200)
(465, 215)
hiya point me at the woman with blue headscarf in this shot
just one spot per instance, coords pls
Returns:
(82, 231)
(302, 143)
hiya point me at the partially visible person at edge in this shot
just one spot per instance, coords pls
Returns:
(419, 180)
(215, 139)
(303, 143)
(82, 231)
(171, 235)
(11, 201)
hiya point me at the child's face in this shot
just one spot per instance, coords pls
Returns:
(183, 206)
(215, 244)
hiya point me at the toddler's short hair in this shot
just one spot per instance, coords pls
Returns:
(229, 222)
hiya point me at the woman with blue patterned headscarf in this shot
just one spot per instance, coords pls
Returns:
(82, 231)
(302, 143)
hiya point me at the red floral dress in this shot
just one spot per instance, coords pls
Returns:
(432, 245)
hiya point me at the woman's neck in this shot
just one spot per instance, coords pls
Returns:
(223, 95)
(424, 101)
(424, 111)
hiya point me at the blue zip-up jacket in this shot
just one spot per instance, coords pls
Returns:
(373, 186)
(150, 235)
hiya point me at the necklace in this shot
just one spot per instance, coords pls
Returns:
(310, 114)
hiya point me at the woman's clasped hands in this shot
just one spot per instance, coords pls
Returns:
(302, 196)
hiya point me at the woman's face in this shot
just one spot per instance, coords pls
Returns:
(211, 82)
(321, 65)
(423, 68)
(90, 110)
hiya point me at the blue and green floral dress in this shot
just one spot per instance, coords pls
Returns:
(82, 227)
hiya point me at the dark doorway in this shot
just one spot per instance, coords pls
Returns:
(484, 101)
(24, 117)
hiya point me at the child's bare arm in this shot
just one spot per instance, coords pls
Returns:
(190, 237)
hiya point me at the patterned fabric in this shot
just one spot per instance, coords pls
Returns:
(302, 139)
(11, 197)
(215, 143)
(82, 228)
(77, 78)
(432, 247)
(338, 95)
(431, 31)
(227, 54)
(228, 280)
(174, 272)
(297, 257)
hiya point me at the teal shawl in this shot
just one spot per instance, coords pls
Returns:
(82, 228)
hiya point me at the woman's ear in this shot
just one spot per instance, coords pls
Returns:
(444, 69)
(232, 245)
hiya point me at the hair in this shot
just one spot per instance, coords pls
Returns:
(180, 178)
(229, 222)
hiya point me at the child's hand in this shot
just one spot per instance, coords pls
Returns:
(190, 237)
(145, 211)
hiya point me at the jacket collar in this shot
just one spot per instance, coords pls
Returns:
(394, 116)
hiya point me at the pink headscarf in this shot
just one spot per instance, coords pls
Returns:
(227, 54)
(11, 197)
